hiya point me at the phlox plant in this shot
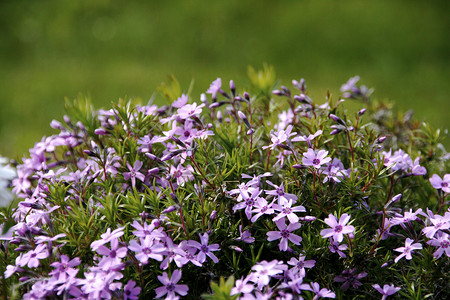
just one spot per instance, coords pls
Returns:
(255, 192)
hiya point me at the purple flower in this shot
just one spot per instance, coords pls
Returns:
(308, 138)
(320, 293)
(215, 87)
(261, 207)
(242, 286)
(439, 183)
(336, 247)
(300, 264)
(32, 257)
(387, 290)
(147, 248)
(64, 269)
(311, 158)
(288, 211)
(245, 236)
(263, 270)
(107, 237)
(205, 249)
(280, 193)
(170, 286)
(131, 291)
(133, 174)
(439, 223)
(350, 278)
(285, 234)
(181, 101)
(111, 257)
(338, 228)
(190, 110)
(279, 137)
(408, 249)
(442, 242)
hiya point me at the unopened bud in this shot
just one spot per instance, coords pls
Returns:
(233, 88)
(382, 139)
(277, 93)
(66, 119)
(56, 125)
(335, 131)
(250, 131)
(246, 96)
(80, 125)
(170, 209)
(174, 198)
(362, 111)
(204, 99)
(213, 215)
(337, 119)
(100, 131)
(219, 116)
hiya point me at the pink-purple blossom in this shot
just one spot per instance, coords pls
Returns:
(170, 286)
(338, 228)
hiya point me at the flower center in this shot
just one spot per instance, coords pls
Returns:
(316, 161)
(445, 244)
(285, 233)
(170, 287)
(286, 210)
(338, 228)
(204, 248)
(264, 209)
(146, 251)
(444, 184)
(112, 254)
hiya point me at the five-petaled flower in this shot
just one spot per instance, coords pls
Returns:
(170, 286)
(311, 158)
(408, 249)
(338, 228)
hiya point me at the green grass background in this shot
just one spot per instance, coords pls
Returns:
(50, 50)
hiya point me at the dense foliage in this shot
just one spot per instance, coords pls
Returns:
(257, 193)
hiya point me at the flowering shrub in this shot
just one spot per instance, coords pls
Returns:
(249, 194)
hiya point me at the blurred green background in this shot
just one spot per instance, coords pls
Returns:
(50, 50)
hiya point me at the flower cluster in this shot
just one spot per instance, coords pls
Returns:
(148, 201)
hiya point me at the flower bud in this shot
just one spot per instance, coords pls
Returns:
(381, 139)
(170, 209)
(100, 131)
(66, 119)
(277, 93)
(56, 125)
(362, 112)
(204, 99)
(213, 215)
(246, 96)
(335, 131)
(233, 88)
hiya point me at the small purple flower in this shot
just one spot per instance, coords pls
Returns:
(242, 286)
(288, 211)
(170, 286)
(300, 264)
(285, 234)
(205, 249)
(147, 248)
(245, 236)
(338, 228)
(263, 271)
(320, 293)
(441, 183)
(311, 158)
(387, 290)
(32, 257)
(308, 138)
(407, 250)
(279, 137)
(442, 242)
(261, 207)
(181, 101)
(190, 110)
(215, 87)
(134, 172)
(111, 257)
(336, 247)
(131, 291)
(350, 278)
(64, 269)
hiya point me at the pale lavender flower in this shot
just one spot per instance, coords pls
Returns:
(442, 242)
(134, 172)
(407, 250)
(32, 257)
(280, 193)
(170, 286)
(438, 223)
(248, 201)
(441, 183)
(285, 234)
(189, 256)
(335, 247)
(338, 228)
(205, 249)
(245, 236)
(107, 237)
(131, 291)
(279, 137)
(350, 278)
(263, 271)
(311, 158)
(215, 87)
(350, 84)
(407, 217)
(307, 139)
(181, 101)
(387, 290)
(190, 110)
(242, 286)
(172, 251)
(65, 268)
(261, 207)
(300, 264)
(182, 174)
(111, 257)
(288, 211)
(147, 248)
(320, 293)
